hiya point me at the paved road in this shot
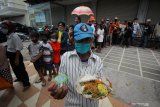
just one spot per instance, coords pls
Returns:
(135, 74)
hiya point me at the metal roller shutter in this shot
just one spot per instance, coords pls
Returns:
(124, 9)
(153, 11)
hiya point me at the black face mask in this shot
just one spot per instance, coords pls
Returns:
(147, 24)
(34, 41)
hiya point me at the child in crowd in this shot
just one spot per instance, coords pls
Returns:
(36, 52)
(56, 49)
(100, 33)
(47, 58)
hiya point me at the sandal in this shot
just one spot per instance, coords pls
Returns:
(49, 78)
(38, 81)
(43, 83)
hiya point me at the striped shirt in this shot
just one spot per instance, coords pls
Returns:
(74, 67)
(47, 53)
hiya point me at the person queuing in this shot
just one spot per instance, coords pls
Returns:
(14, 47)
(77, 20)
(47, 58)
(136, 30)
(71, 38)
(105, 27)
(157, 36)
(127, 35)
(100, 37)
(114, 31)
(147, 30)
(56, 50)
(36, 51)
(62, 37)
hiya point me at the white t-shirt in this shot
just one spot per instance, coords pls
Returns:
(14, 43)
(47, 50)
(136, 28)
(101, 35)
(157, 30)
(35, 49)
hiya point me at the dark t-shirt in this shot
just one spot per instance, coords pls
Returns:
(128, 32)
(3, 37)
(147, 30)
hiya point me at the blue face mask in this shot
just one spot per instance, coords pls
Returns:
(82, 48)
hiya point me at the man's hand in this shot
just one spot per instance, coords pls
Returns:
(33, 60)
(16, 62)
(58, 93)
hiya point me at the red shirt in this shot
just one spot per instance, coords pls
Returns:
(56, 52)
(113, 27)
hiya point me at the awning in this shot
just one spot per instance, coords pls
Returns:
(60, 2)
(32, 2)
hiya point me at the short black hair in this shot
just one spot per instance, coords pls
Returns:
(34, 34)
(130, 24)
(135, 18)
(11, 26)
(63, 24)
(79, 18)
(72, 26)
(44, 40)
(56, 34)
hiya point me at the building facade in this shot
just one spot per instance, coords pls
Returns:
(60, 10)
(14, 10)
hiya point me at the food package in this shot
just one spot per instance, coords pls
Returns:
(61, 79)
(92, 87)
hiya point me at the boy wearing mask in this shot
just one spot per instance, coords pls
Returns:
(36, 52)
(47, 58)
(56, 49)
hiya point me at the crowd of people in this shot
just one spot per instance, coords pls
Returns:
(110, 32)
(46, 55)
(62, 45)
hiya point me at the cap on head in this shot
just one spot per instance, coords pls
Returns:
(116, 18)
(82, 31)
(148, 20)
(8, 23)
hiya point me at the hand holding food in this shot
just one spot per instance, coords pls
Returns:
(91, 87)
(58, 88)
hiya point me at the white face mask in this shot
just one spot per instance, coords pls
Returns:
(5, 31)
(53, 40)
